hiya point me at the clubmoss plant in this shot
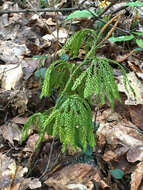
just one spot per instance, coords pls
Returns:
(71, 117)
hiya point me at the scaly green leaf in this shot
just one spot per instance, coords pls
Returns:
(134, 4)
(81, 14)
(139, 42)
(121, 38)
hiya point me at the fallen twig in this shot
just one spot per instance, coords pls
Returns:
(39, 10)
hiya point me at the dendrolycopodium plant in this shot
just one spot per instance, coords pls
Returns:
(71, 117)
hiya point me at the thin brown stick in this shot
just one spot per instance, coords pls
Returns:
(112, 29)
(108, 23)
(39, 10)
(123, 58)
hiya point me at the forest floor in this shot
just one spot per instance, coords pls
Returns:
(29, 43)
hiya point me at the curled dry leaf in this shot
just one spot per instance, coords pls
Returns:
(120, 134)
(135, 154)
(137, 176)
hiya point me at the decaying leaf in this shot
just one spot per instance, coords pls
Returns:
(8, 169)
(137, 86)
(19, 100)
(136, 114)
(19, 120)
(135, 154)
(101, 181)
(30, 145)
(11, 75)
(11, 52)
(61, 35)
(119, 134)
(11, 176)
(137, 176)
(72, 174)
(109, 155)
(11, 132)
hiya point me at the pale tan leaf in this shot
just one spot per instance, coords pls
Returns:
(137, 86)
(109, 155)
(11, 132)
(137, 176)
(76, 173)
(135, 154)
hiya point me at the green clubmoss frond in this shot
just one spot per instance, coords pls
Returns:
(71, 118)
(56, 76)
(36, 119)
(78, 39)
(127, 84)
(99, 80)
(75, 115)
(44, 126)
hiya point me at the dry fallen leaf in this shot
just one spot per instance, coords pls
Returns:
(137, 176)
(34, 183)
(11, 52)
(119, 134)
(19, 120)
(19, 100)
(61, 35)
(136, 114)
(30, 145)
(109, 155)
(77, 186)
(11, 176)
(11, 76)
(8, 169)
(11, 132)
(101, 181)
(72, 174)
(135, 154)
(136, 85)
(50, 22)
